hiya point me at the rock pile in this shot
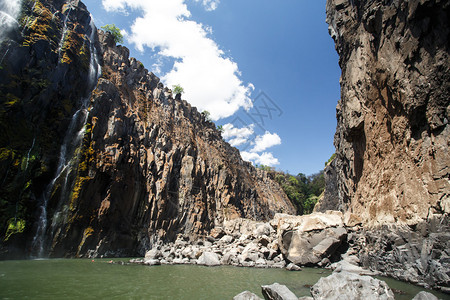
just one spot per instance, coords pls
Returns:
(286, 241)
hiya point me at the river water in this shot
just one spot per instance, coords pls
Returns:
(85, 279)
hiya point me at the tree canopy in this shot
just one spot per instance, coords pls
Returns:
(303, 191)
(115, 31)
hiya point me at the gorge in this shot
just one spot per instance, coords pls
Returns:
(99, 159)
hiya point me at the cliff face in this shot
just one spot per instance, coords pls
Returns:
(392, 136)
(107, 162)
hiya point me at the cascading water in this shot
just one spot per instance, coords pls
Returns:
(9, 12)
(63, 35)
(68, 157)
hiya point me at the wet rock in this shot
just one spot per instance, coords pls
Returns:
(346, 285)
(277, 292)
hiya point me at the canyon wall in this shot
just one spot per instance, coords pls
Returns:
(392, 137)
(98, 157)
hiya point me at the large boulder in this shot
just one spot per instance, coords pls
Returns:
(209, 259)
(309, 248)
(277, 292)
(346, 285)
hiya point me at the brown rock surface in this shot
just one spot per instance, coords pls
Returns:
(106, 165)
(152, 167)
(392, 137)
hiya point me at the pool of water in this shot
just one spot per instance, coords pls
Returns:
(86, 279)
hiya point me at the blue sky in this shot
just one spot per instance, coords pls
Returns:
(267, 71)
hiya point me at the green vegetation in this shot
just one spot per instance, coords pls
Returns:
(331, 159)
(206, 115)
(220, 128)
(111, 28)
(303, 191)
(177, 89)
(14, 226)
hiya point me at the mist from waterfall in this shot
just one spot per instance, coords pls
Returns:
(9, 12)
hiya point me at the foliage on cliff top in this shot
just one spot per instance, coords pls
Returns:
(115, 31)
(303, 191)
(177, 89)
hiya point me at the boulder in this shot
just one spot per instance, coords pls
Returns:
(425, 296)
(345, 285)
(153, 254)
(277, 292)
(346, 266)
(309, 248)
(293, 267)
(246, 296)
(209, 259)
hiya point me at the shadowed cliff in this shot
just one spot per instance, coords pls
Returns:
(97, 156)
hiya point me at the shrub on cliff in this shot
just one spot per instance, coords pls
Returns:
(177, 89)
(111, 28)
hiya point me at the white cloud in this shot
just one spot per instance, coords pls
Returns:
(266, 158)
(209, 4)
(266, 141)
(210, 79)
(237, 136)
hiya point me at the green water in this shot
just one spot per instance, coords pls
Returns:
(84, 279)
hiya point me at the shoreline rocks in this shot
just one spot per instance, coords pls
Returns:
(281, 243)
(338, 285)
(417, 256)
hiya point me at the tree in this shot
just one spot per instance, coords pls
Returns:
(220, 128)
(177, 89)
(206, 115)
(111, 28)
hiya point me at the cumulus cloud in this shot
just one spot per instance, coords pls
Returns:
(211, 80)
(237, 136)
(209, 4)
(240, 136)
(266, 158)
(266, 141)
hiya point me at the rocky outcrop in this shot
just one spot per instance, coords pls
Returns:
(392, 136)
(392, 166)
(108, 164)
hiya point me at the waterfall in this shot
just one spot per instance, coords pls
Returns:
(68, 156)
(63, 35)
(9, 12)
(29, 151)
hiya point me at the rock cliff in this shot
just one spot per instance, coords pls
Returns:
(98, 156)
(391, 173)
(392, 137)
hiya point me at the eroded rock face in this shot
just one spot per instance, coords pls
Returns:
(138, 165)
(152, 167)
(392, 137)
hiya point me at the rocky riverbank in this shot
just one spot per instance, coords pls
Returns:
(329, 240)
(339, 285)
